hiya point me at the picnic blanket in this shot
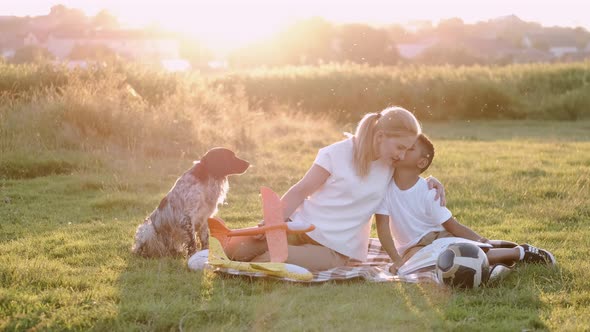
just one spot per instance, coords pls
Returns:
(374, 269)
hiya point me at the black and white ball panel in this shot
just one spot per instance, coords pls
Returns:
(463, 265)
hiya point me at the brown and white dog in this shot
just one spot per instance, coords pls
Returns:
(170, 229)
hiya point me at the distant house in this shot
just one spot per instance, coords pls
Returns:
(31, 39)
(8, 53)
(558, 45)
(37, 38)
(412, 50)
(559, 51)
(484, 48)
(490, 48)
(132, 44)
(9, 44)
(7, 47)
(174, 65)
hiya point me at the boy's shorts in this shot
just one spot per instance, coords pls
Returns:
(424, 241)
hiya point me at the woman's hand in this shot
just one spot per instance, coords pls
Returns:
(262, 236)
(440, 189)
(484, 240)
(395, 266)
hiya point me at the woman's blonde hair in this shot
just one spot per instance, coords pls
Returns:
(392, 121)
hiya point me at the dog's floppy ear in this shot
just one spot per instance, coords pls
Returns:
(199, 171)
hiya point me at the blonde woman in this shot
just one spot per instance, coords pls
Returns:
(339, 194)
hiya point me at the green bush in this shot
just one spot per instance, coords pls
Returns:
(345, 92)
(571, 105)
(28, 167)
(132, 105)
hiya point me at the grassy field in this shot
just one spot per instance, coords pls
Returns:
(344, 92)
(68, 215)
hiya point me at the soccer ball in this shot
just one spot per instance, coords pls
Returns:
(463, 265)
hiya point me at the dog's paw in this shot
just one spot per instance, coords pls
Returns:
(198, 261)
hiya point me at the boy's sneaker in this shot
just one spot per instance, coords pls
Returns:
(499, 271)
(533, 254)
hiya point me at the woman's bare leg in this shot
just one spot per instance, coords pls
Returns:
(245, 248)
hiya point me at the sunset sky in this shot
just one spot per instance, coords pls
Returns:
(231, 23)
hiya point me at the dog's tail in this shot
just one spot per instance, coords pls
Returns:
(218, 230)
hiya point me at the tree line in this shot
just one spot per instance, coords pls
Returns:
(315, 41)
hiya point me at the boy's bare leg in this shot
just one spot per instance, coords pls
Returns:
(503, 255)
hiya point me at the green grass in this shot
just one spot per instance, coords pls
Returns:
(68, 219)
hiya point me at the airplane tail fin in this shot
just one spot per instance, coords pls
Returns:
(218, 230)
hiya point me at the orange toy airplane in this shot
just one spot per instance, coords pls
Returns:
(275, 228)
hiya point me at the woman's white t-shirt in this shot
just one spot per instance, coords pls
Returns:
(412, 213)
(341, 209)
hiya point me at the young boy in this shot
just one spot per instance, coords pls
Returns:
(417, 220)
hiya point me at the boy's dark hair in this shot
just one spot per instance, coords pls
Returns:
(427, 150)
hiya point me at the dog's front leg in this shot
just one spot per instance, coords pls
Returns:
(191, 243)
(204, 234)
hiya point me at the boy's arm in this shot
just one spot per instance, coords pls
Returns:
(456, 228)
(382, 223)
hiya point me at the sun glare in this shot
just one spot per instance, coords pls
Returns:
(224, 25)
(228, 24)
(220, 26)
(228, 30)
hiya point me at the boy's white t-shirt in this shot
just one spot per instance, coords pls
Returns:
(412, 213)
(341, 209)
